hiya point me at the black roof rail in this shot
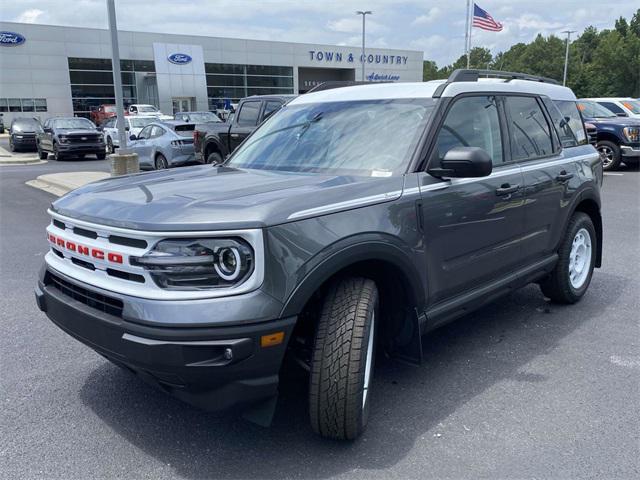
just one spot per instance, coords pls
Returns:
(331, 84)
(472, 75)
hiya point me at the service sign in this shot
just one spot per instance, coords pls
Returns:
(11, 39)
(179, 58)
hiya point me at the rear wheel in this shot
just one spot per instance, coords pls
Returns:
(42, 154)
(342, 360)
(610, 154)
(571, 277)
(214, 158)
(161, 162)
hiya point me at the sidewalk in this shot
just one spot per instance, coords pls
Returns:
(7, 158)
(61, 183)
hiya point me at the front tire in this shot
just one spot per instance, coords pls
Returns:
(110, 148)
(56, 153)
(571, 277)
(101, 156)
(610, 154)
(342, 360)
(42, 154)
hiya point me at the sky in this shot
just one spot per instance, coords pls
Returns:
(435, 27)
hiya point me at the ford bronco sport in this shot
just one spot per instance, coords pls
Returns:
(352, 218)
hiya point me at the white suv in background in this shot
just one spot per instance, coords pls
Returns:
(622, 107)
(132, 124)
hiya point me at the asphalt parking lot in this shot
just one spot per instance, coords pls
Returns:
(520, 389)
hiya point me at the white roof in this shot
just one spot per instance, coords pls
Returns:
(609, 99)
(382, 91)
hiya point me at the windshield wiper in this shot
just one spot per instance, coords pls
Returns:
(305, 126)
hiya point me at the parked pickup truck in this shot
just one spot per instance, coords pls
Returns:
(214, 141)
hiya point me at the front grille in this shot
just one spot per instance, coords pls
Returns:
(103, 303)
(83, 138)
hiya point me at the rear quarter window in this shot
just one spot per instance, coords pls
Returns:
(570, 113)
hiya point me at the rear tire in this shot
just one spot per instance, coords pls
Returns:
(42, 154)
(610, 153)
(161, 162)
(342, 360)
(214, 158)
(571, 277)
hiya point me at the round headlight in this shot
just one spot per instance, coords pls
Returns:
(229, 263)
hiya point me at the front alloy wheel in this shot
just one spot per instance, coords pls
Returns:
(610, 154)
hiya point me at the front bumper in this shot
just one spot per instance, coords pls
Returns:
(24, 141)
(214, 368)
(630, 150)
(82, 148)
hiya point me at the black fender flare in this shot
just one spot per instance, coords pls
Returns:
(218, 145)
(589, 195)
(348, 252)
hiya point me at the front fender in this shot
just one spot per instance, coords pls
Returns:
(348, 252)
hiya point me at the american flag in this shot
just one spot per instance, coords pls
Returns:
(483, 20)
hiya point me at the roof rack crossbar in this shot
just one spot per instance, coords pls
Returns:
(472, 75)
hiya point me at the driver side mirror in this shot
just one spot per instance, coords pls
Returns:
(133, 137)
(464, 162)
(47, 130)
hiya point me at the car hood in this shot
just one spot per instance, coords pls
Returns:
(220, 198)
(620, 121)
(75, 131)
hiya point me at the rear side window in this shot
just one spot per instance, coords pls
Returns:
(270, 108)
(613, 107)
(249, 113)
(565, 133)
(529, 130)
(471, 122)
(157, 131)
(571, 114)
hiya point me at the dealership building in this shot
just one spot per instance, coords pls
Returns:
(52, 70)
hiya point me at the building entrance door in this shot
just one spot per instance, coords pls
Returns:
(183, 104)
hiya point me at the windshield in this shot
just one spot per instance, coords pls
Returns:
(594, 110)
(371, 137)
(203, 117)
(147, 108)
(139, 122)
(26, 123)
(73, 123)
(633, 105)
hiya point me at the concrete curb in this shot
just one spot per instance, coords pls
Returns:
(21, 161)
(62, 183)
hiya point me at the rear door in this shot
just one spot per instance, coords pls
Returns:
(244, 123)
(472, 226)
(141, 145)
(550, 173)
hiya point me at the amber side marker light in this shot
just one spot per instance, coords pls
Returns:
(272, 339)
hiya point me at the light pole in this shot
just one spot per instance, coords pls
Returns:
(566, 56)
(117, 79)
(364, 58)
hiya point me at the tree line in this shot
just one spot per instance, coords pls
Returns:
(602, 63)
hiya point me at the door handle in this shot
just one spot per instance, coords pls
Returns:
(507, 189)
(235, 135)
(563, 176)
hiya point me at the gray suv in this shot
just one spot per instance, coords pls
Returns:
(353, 219)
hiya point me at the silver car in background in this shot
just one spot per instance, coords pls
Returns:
(132, 124)
(161, 145)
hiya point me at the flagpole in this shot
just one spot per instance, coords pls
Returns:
(466, 34)
(470, 29)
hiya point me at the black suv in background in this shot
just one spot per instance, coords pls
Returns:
(22, 133)
(213, 141)
(350, 220)
(70, 137)
(617, 138)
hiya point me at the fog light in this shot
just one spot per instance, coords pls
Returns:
(228, 354)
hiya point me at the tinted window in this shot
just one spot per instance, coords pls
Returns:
(70, 123)
(249, 113)
(528, 129)
(594, 110)
(270, 107)
(472, 122)
(612, 106)
(570, 113)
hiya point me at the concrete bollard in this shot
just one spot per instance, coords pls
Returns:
(123, 164)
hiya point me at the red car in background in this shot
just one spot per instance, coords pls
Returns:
(102, 113)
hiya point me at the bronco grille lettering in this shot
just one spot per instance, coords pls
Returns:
(91, 252)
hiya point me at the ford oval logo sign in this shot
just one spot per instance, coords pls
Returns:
(180, 58)
(11, 39)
